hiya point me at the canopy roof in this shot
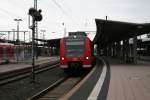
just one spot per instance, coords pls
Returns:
(51, 42)
(109, 31)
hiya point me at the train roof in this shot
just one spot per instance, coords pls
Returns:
(77, 34)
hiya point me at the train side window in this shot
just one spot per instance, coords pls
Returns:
(95, 49)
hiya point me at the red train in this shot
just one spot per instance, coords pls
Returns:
(9, 52)
(76, 52)
(12, 53)
(6, 51)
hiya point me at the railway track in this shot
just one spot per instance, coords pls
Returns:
(58, 89)
(23, 73)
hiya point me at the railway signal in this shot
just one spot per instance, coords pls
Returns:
(36, 16)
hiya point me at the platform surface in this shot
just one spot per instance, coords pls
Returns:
(129, 81)
(121, 82)
(25, 64)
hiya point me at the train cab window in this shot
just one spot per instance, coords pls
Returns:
(74, 48)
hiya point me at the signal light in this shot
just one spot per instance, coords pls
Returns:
(38, 16)
(32, 11)
(35, 14)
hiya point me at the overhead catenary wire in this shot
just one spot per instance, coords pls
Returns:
(9, 13)
(65, 13)
(60, 7)
(18, 5)
(86, 24)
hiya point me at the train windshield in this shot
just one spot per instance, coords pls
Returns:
(74, 48)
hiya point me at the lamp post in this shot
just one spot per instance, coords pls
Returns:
(64, 29)
(43, 35)
(13, 34)
(17, 20)
(8, 36)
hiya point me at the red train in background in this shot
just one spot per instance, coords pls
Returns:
(76, 52)
(6, 51)
(13, 53)
(9, 52)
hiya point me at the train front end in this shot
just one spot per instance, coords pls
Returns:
(75, 52)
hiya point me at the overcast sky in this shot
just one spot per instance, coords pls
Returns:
(78, 15)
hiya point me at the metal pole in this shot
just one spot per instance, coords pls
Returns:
(33, 43)
(24, 46)
(13, 34)
(33, 60)
(8, 35)
(18, 30)
(29, 36)
(18, 36)
(36, 29)
(35, 4)
(64, 29)
(135, 49)
(17, 43)
(43, 39)
(43, 33)
(24, 37)
(18, 27)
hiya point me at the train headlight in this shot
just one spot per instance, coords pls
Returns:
(74, 36)
(87, 58)
(62, 58)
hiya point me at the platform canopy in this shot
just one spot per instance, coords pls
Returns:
(50, 42)
(109, 31)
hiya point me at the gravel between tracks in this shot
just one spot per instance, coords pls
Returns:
(22, 89)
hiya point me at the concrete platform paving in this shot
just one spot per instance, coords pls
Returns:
(25, 64)
(129, 81)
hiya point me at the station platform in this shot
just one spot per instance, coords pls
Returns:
(129, 81)
(26, 64)
(117, 81)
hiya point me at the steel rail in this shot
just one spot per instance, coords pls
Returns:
(61, 83)
(43, 92)
(23, 73)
